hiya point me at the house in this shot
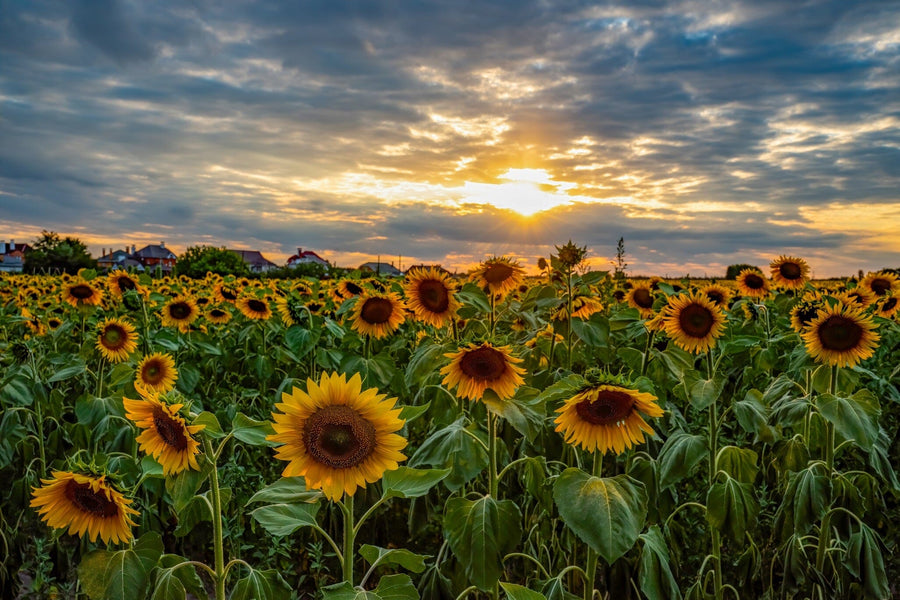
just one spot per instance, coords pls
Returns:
(380, 268)
(256, 262)
(302, 258)
(154, 256)
(110, 258)
(12, 256)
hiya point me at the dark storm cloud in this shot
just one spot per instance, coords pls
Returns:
(712, 131)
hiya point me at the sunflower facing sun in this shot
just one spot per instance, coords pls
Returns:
(430, 295)
(338, 436)
(789, 273)
(841, 335)
(500, 275)
(156, 373)
(693, 321)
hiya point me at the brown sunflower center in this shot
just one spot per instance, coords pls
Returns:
(125, 284)
(152, 373)
(82, 291)
(880, 286)
(352, 288)
(889, 304)
(217, 313)
(338, 436)
(790, 270)
(610, 407)
(114, 337)
(85, 498)
(485, 364)
(257, 306)
(696, 320)
(180, 311)
(169, 429)
(805, 314)
(228, 293)
(643, 298)
(716, 297)
(498, 273)
(840, 333)
(434, 296)
(376, 311)
(754, 281)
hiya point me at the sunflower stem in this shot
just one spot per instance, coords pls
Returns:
(349, 539)
(715, 538)
(100, 369)
(217, 522)
(592, 556)
(569, 318)
(829, 426)
(493, 481)
(645, 359)
(39, 414)
(493, 309)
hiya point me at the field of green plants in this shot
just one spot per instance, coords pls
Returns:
(570, 435)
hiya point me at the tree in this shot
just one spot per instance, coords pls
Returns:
(197, 261)
(52, 254)
(734, 270)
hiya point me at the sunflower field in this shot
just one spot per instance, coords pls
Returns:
(570, 435)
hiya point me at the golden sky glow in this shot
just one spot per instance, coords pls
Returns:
(525, 191)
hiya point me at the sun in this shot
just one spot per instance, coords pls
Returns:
(525, 191)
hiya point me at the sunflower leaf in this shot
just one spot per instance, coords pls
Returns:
(855, 418)
(250, 431)
(261, 585)
(519, 592)
(731, 507)
(210, 423)
(406, 482)
(393, 556)
(454, 447)
(679, 456)
(287, 490)
(121, 575)
(524, 411)
(174, 578)
(285, 519)
(654, 573)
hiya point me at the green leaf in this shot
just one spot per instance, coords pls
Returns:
(261, 585)
(706, 391)
(453, 447)
(594, 332)
(407, 482)
(393, 556)
(865, 561)
(739, 463)
(554, 589)
(524, 411)
(752, 416)
(300, 340)
(480, 533)
(731, 507)
(805, 501)
(854, 418)
(210, 423)
(173, 579)
(287, 490)
(425, 362)
(518, 592)
(67, 372)
(184, 486)
(17, 392)
(679, 456)
(411, 413)
(606, 513)
(250, 431)
(285, 519)
(121, 575)
(654, 573)
(391, 587)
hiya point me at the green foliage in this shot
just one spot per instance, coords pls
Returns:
(734, 270)
(51, 254)
(197, 261)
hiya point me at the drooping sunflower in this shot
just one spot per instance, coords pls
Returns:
(606, 417)
(218, 315)
(180, 312)
(430, 295)
(888, 307)
(347, 289)
(164, 434)
(719, 294)
(500, 275)
(753, 284)
(156, 373)
(693, 321)
(116, 339)
(118, 282)
(789, 272)
(805, 311)
(883, 283)
(86, 505)
(254, 308)
(841, 336)
(292, 309)
(82, 293)
(377, 314)
(641, 297)
(478, 367)
(338, 436)
(225, 293)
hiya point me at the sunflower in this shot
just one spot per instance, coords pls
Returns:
(883, 283)
(719, 294)
(500, 275)
(156, 373)
(164, 435)
(805, 311)
(789, 273)
(474, 369)
(858, 297)
(377, 314)
(180, 312)
(54, 323)
(606, 417)
(254, 308)
(641, 297)
(85, 505)
(119, 282)
(225, 293)
(218, 315)
(841, 335)
(347, 289)
(693, 321)
(752, 283)
(582, 308)
(430, 294)
(887, 307)
(116, 339)
(292, 309)
(337, 436)
(82, 293)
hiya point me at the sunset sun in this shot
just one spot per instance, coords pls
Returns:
(525, 191)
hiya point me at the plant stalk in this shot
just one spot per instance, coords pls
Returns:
(218, 547)
(349, 539)
(493, 483)
(591, 553)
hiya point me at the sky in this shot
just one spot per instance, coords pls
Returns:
(705, 133)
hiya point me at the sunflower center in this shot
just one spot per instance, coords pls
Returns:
(217, 313)
(433, 295)
(114, 336)
(790, 270)
(352, 288)
(125, 284)
(716, 297)
(228, 294)
(180, 310)
(376, 311)
(498, 273)
(696, 320)
(257, 306)
(840, 333)
(85, 498)
(485, 364)
(805, 314)
(754, 282)
(880, 286)
(82, 291)
(643, 298)
(151, 373)
(608, 408)
(170, 430)
(889, 304)
(338, 436)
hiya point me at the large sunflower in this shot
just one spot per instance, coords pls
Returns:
(254, 308)
(180, 312)
(118, 282)
(693, 321)
(117, 339)
(82, 293)
(753, 284)
(156, 373)
(789, 273)
(883, 283)
(85, 505)
(478, 367)
(641, 297)
(606, 417)
(377, 314)
(164, 435)
(500, 275)
(430, 295)
(337, 436)
(841, 335)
